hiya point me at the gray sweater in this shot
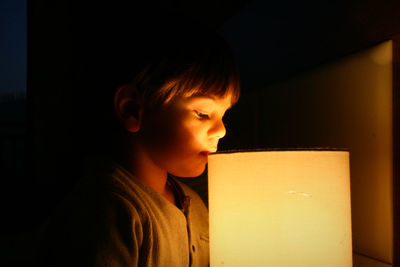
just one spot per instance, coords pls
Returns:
(112, 219)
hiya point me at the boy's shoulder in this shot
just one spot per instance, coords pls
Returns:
(120, 183)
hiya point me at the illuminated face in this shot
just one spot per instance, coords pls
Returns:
(180, 134)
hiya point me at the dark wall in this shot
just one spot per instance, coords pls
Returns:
(274, 40)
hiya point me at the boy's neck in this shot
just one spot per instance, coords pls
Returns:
(142, 167)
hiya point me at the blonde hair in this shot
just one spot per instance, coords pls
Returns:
(197, 63)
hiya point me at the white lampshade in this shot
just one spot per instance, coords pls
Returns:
(280, 208)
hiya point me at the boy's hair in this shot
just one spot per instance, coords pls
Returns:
(162, 54)
(196, 62)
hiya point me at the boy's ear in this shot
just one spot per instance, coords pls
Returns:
(128, 107)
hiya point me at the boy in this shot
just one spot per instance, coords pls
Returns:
(168, 100)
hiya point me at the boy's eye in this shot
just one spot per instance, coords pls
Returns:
(201, 115)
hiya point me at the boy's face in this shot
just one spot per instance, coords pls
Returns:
(179, 135)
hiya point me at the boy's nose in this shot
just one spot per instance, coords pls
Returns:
(218, 130)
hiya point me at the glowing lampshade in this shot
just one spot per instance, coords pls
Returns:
(280, 208)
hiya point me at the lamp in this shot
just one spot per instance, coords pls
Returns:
(280, 208)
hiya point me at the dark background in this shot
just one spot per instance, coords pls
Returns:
(271, 40)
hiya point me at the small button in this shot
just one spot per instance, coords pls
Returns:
(193, 248)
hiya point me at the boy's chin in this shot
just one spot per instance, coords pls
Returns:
(190, 173)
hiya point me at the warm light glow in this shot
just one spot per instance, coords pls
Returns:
(280, 208)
